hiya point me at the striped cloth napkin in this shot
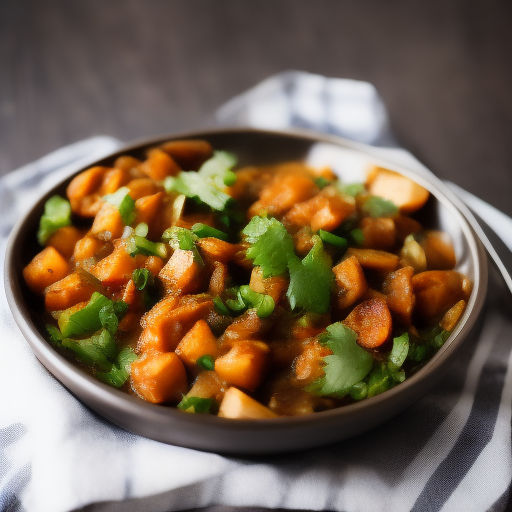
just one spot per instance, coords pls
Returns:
(451, 451)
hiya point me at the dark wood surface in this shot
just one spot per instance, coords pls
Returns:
(70, 69)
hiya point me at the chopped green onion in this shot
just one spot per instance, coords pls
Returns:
(196, 404)
(97, 351)
(141, 229)
(140, 245)
(85, 320)
(206, 362)
(220, 307)
(57, 214)
(108, 318)
(359, 391)
(357, 236)
(264, 304)
(352, 189)
(120, 370)
(376, 207)
(141, 277)
(321, 182)
(205, 231)
(329, 238)
(184, 239)
(122, 200)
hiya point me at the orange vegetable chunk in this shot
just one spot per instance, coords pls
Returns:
(350, 281)
(46, 268)
(244, 365)
(146, 209)
(372, 322)
(142, 187)
(181, 274)
(238, 405)
(399, 294)
(86, 248)
(159, 165)
(216, 249)
(126, 162)
(452, 316)
(108, 224)
(64, 240)
(208, 385)
(159, 377)
(373, 259)
(199, 341)
(83, 192)
(437, 291)
(72, 289)
(439, 251)
(402, 191)
(309, 365)
(189, 154)
(378, 233)
(219, 279)
(275, 286)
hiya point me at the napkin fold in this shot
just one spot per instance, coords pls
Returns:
(450, 451)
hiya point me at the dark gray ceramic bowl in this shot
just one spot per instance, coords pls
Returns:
(283, 434)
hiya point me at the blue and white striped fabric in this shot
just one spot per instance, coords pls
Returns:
(451, 451)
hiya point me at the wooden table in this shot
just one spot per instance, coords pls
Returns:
(71, 69)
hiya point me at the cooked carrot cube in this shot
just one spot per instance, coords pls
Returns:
(83, 193)
(199, 341)
(165, 327)
(87, 248)
(142, 187)
(437, 291)
(303, 241)
(452, 316)
(309, 365)
(64, 240)
(208, 385)
(189, 154)
(282, 193)
(378, 233)
(240, 257)
(439, 251)
(244, 365)
(405, 226)
(373, 259)
(219, 279)
(274, 286)
(113, 180)
(46, 268)
(250, 181)
(108, 224)
(117, 268)
(126, 163)
(399, 294)
(402, 191)
(187, 221)
(181, 274)
(216, 249)
(371, 320)
(146, 209)
(247, 326)
(72, 289)
(154, 264)
(159, 165)
(350, 281)
(238, 405)
(159, 377)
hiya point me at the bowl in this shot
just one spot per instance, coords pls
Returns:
(284, 434)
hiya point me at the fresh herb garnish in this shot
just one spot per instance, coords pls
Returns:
(122, 200)
(57, 214)
(198, 405)
(206, 362)
(120, 370)
(332, 239)
(184, 239)
(205, 231)
(141, 278)
(376, 207)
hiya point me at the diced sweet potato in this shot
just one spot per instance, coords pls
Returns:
(275, 286)
(405, 226)
(126, 163)
(199, 341)
(208, 385)
(399, 294)
(240, 257)
(146, 208)
(437, 291)
(64, 240)
(159, 377)
(46, 268)
(402, 191)
(154, 264)
(378, 233)
(87, 248)
(217, 249)
(247, 326)
(373, 259)
(244, 365)
(166, 326)
(282, 193)
(159, 165)
(117, 268)
(182, 274)
(142, 187)
(452, 316)
(250, 181)
(439, 251)
(324, 211)
(372, 322)
(219, 279)
(83, 193)
(113, 180)
(238, 405)
(303, 241)
(189, 154)
(309, 365)
(350, 281)
(72, 289)
(108, 224)
(187, 221)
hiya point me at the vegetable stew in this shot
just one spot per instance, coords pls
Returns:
(250, 292)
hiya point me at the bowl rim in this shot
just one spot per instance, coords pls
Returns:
(58, 364)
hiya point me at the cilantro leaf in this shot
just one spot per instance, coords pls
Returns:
(271, 245)
(120, 370)
(376, 207)
(347, 366)
(57, 214)
(311, 280)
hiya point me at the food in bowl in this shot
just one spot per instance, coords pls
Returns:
(249, 293)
